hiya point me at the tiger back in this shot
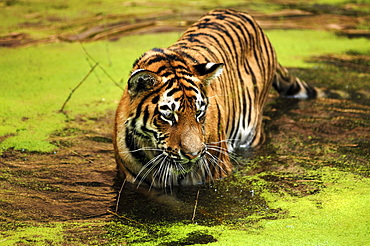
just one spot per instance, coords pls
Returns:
(186, 107)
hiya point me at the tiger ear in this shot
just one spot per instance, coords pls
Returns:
(208, 71)
(141, 80)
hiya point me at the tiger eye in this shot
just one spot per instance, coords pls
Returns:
(169, 116)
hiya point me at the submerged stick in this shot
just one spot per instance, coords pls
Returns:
(104, 71)
(78, 85)
(119, 195)
(124, 217)
(195, 206)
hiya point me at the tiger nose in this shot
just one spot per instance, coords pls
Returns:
(191, 155)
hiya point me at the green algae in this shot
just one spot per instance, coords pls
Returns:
(58, 233)
(335, 216)
(33, 235)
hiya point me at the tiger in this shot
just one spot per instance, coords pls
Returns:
(187, 107)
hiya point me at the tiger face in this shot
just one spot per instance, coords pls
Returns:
(164, 139)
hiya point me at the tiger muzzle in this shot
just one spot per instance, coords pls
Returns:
(191, 146)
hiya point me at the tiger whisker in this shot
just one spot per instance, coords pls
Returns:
(155, 175)
(215, 160)
(160, 172)
(225, 140)
(205, 168)
(180, 168)
(170, 173)
(215, 144)
(141, 149)
(223, 151)
(165, 177)
(220, 149)
(154, 163)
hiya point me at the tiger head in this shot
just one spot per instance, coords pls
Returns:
(165, 139)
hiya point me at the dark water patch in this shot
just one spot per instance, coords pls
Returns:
(323, 132)
(332, 131)
(224, 200)
(340, 81)
(351, 62)
(63, 143)
(196, 237)
(69, 131)
(100, 139)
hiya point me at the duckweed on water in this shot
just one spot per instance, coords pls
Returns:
(337, 215)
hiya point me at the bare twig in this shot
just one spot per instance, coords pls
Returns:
(119, 195)
(73, 152)
(104, 71)
(124, 217)
(195, 206)
(83, 157)
(78, 85)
